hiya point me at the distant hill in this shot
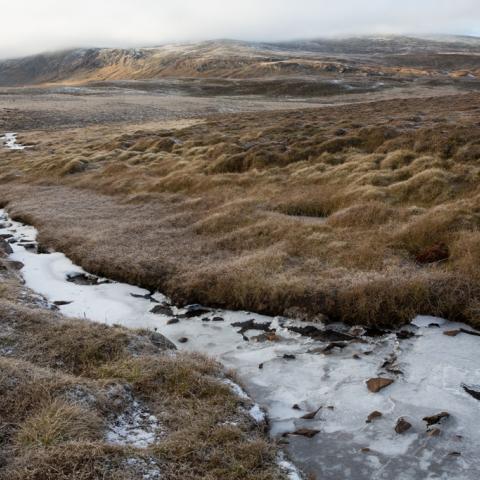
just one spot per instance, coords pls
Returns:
(233, 59)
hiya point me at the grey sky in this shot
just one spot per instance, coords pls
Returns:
(31, 26)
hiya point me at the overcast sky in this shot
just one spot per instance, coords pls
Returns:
(31, 26)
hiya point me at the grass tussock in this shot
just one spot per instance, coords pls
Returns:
(318, 209)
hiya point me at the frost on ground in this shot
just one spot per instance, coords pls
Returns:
(255, 412)
(135, 427)
(149, 468)
(9, 140)
(312, 379)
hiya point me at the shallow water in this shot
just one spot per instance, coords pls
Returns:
(428, 370)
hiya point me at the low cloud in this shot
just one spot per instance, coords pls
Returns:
(32, 26)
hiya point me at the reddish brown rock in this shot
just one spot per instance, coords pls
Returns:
(373, 416)
(452, 333)
(402, 426)
(377, 384)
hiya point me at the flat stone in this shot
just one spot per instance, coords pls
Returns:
(452, 333)
(60, 303)
(434, 419)
(473, 392)
(162, 310)
(183, 340)
(306, 432)
(79, 278)
(373, 416)
(173, 321)
(377, 384)
(195, 311)
(311, 415)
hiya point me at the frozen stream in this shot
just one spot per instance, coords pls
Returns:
(320, 369)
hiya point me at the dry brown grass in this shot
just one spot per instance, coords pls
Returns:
(326, 210)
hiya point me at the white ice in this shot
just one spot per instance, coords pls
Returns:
(9, 140)
(434, 367)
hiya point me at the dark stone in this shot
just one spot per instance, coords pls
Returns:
(147, 296)
(31, 247)
(59, 303)
(6, 236)
(218, 319)
(161, 342)
(82, 279)
(162, 310)
(260, 367)
(405, 335)
(194, 311)
(289, 357)
(296, 407)
(183, 340)
(333, 345)
(433, 325)
(305, 432)
(311, 415)
(434, 419)
(206, 319)
(402, 426)
(15, 265)
(251, 325)
(5, 247)
(375, 332)
(173, 321)
(327, 335)
(470, 332)
(474, 392)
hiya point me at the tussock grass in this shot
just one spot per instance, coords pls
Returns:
(327, 210)
(57, 423)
